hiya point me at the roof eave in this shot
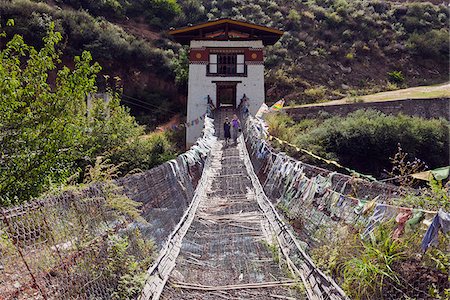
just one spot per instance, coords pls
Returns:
(222, 21)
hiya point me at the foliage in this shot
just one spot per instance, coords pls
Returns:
(274, 249)
(41, 126)
(110, 125)
(366, 273)
(103, 173)
(396, 77)
(402, 168)
(143, 62)
(331, 43)
(327, 43)
(315, 94)
(282, 126)
(155, 12)
(364, 140)
(181, 68)
(434, 43)
(434, 196)
(47, 131)
(381, 266)
(143, 153)
(440, 258)
(81, 31)
(129, 258)
(193, 11)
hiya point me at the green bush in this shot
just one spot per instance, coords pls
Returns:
(372, 137)
(365, 273)
(396, 77)
(421, 17)
(181, 68)
(156, 12)
(366, 139)
(143, 153)
(434, 43)
(82, 31)
(315, 94)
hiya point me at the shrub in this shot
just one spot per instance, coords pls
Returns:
(434, 43)
(47, 131)
(143, 153)
(391, 86)
(421, 16)
(181, 68)
(365, 274)
(43, 128)
(308, 14)
(396, 77)
(82, 31)
(315, 94)
(294, 16)
(366, 139)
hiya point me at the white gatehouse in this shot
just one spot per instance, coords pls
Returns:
(226, 63)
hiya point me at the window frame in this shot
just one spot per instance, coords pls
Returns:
(228, 64)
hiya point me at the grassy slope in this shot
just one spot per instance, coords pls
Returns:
(331, 48)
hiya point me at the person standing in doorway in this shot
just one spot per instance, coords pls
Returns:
(210, 108)
(226, 130)
(236, 127)
(244, 105)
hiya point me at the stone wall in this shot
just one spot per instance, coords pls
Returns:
(425, 108)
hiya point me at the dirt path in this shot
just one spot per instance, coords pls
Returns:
(420, 92)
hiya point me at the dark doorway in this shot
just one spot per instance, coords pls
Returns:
(226, 95)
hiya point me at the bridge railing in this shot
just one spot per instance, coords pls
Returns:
(317, 284)
(307, 192)
(316, 200)
(63, 246)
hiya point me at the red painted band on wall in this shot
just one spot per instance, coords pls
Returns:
(202, 55)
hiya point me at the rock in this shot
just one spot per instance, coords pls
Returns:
(344, 69)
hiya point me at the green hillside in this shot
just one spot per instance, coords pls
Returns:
(331, 48)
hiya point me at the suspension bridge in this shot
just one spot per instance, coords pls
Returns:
(211, 213)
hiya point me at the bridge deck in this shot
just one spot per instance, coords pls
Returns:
(226, 252)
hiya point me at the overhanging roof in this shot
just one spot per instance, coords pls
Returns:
(226, 29)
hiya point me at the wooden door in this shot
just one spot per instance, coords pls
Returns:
(226, 95)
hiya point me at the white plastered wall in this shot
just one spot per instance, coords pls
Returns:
(200, 86)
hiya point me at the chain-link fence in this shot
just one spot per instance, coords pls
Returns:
(76, 246)
(325, 208)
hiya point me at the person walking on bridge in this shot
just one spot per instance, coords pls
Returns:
(226, 130)
(236, 125)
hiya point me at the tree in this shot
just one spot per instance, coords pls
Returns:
(41, 124)
(45, 130)
(181, 68)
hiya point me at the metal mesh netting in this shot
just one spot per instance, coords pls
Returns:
(59, 247)
(316, 199)
(48, 246)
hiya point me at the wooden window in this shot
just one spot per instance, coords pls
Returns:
(213, 63)
(227, 64)
(240, 64)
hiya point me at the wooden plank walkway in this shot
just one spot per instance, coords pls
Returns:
(227, 253)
